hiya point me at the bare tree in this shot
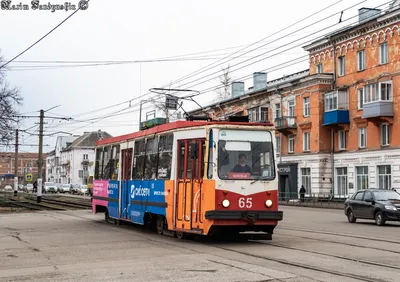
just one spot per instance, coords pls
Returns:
(10, 101)
(223, 92)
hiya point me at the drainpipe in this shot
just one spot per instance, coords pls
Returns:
(332, 131)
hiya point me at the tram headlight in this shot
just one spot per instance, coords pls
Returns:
(225, 203)
(268, 203)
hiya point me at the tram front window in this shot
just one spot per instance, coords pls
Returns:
(247, 155)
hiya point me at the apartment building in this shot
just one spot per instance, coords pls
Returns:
(335, 122)
(76, 156)
(27, 164)
(362, 111)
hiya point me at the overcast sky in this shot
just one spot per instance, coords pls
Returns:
(191, 34)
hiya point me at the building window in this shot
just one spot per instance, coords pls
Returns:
(291, 144)
(341, 181)
(306, 179)
(360, 98)
(384, 177)
(362, 137)
(362, 177)
(342, 65)
(277, 110)
(331, 101)
(306, 141)
(342, 140)
(318, 68)
(383, 53)
(381, 91)
(258, 114)
(361, 60)
(306, 107)
(253, 114)
(278, 144)
(85, 156)
(384, 134)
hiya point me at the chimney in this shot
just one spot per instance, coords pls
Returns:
(259, 80)
(237, 88)
(366, 14)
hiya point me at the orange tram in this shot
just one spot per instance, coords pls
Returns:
(191, 177)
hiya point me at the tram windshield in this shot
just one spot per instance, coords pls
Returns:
(245, 155)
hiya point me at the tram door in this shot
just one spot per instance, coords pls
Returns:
(189, 183)
(126, 172)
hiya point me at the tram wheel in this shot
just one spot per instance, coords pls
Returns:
(160, 225)
(180, 235)
(107, 217)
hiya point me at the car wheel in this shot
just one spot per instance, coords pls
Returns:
(379, 218)
(350, 216)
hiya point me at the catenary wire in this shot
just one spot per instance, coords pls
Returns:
(44, 36)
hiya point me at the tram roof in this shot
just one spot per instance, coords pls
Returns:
(172, 126)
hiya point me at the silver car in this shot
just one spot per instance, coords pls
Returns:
(65, 188)
(50, 187)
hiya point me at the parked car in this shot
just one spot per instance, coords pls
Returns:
(75, 189)
(28, 188)
(8, 188)
(65, 188)
(84, 190)
(378, 204)
(50, 187)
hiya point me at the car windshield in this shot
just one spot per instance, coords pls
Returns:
(245, 155)
(386, 195)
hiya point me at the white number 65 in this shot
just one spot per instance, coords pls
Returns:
(245, 203)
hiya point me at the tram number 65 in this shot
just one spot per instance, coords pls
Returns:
(245, 202)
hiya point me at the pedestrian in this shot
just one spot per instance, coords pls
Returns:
(34, 187)
(302, 193)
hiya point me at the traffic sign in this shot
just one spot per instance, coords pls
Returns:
(28, 177)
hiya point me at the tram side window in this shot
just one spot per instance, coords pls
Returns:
(210, 156)
(98, 170)
(203, 153)
(138, 160)
(181, 160)
(165, 146)
(107, 163)
(151, 159)
(114, 162)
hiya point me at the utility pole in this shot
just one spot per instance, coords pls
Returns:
(40, 163)
(16, 164)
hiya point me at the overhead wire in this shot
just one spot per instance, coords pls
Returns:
(182, 78)
(118, 112)
(44, 36)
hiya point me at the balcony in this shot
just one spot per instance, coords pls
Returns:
(286, 125)
(336, 107)
(336, 117)
(378, 109)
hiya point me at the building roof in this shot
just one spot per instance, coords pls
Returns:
(88, 140)
(369, 20)
(271, 84)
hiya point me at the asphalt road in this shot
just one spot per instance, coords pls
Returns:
(309, 245)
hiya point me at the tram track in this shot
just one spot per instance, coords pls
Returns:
(329, 255)
(305, 266)
(340, 234)
(63, 203)
(339, 243)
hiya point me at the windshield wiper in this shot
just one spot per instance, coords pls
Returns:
(260, 178)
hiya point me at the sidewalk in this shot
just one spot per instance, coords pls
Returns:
(321, 205)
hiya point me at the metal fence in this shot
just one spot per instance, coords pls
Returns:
(315, 199)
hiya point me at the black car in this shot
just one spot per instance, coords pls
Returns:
(381, 205)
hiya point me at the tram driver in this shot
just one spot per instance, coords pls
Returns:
(242, 165)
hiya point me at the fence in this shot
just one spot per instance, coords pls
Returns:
(324, 200)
